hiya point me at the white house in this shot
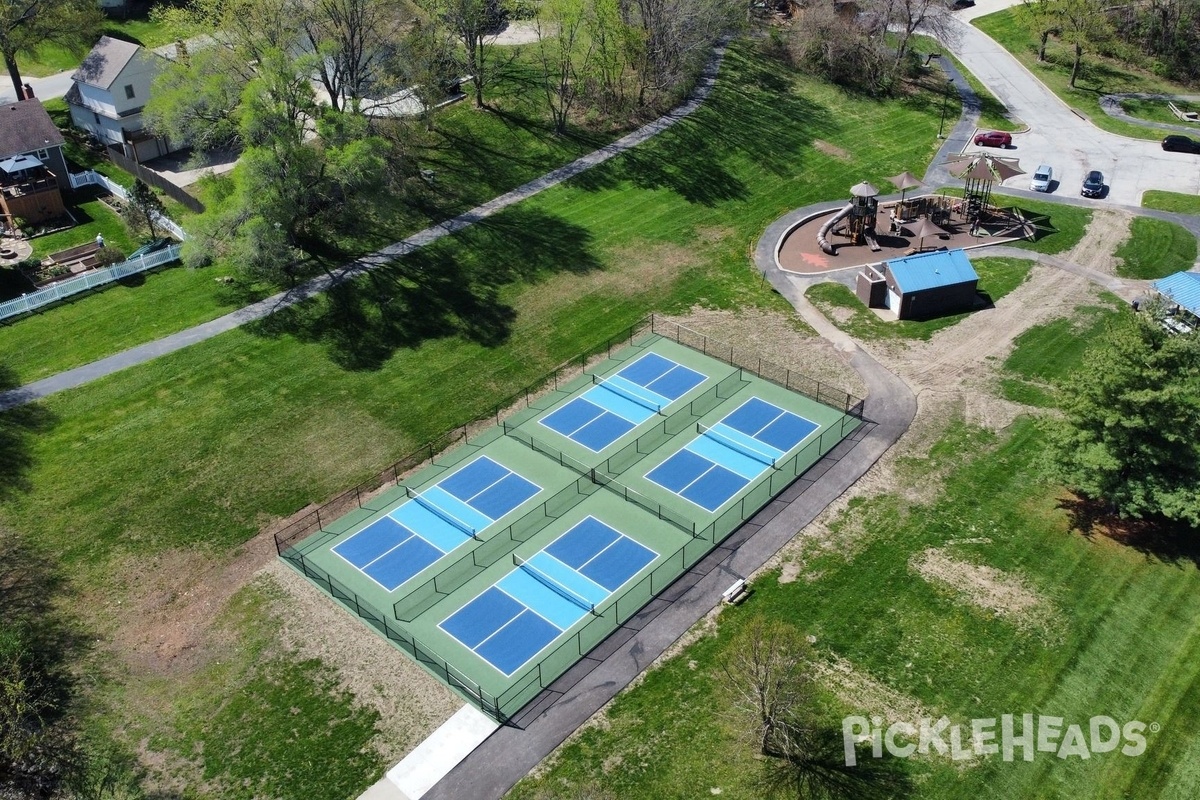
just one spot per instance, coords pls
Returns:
(109, 91)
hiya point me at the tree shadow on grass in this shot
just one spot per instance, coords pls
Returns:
(450, 288)
(751, 116)
(817, 768)
(17, 426)
(1156, 538)
(38, 647)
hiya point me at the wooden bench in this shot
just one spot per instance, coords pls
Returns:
(735, 593)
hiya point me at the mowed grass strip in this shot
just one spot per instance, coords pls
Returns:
(1112, 633)
(1155, 249)
(1098, 75)
(1171, 201)
(1045, 355)
(997, 277)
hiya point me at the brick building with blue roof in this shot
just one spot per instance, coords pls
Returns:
(921, 286)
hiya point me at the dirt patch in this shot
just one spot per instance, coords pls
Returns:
(779, 337)
(161, 623)
(1004, 594)
(863, 693)
(411, 703)
(1107, 231)
(831, 150)
(520, 32)
(636, 269)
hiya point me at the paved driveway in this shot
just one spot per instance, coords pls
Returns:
(1057, 136)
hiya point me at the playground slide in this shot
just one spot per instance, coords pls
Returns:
(822, 242)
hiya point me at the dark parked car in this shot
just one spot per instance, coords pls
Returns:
(1181, 144)
(151, 247)
(993, 139)
(1093, 184)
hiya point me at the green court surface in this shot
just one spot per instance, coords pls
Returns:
(505, 560)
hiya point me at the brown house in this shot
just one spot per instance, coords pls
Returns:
(33, 170)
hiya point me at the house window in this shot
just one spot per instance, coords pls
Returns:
(43, 155)
(129, 91)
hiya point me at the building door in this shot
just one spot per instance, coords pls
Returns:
(894, 301)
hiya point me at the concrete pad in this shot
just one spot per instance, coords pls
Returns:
(435, 757)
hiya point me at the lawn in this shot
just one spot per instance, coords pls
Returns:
(199, 449)
(94, 217)
(997, 277)
(1156, 249)
(1171, 201)
(1157, 111)
(52, 58)
(937, 648)
(1098, 75)
(1045, 355)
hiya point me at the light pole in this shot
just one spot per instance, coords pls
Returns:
(945, 101)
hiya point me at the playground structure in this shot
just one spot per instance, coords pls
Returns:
(902, 228)
(858, 217)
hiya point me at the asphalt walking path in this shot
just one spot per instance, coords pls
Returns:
(177, 341)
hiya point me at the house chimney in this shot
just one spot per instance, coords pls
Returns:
(28, 92)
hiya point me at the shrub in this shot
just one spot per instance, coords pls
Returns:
(106, 256)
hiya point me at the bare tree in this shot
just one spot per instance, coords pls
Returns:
(1081, 24)
(766, 675)
(354, 39)
(675, 37)
(564, 53)
(835, 46)
(906, 17)
(471, 21)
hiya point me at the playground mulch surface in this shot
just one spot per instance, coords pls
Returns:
(799, 252)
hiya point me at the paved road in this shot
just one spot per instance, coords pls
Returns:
(1057, 136)
(57, 85)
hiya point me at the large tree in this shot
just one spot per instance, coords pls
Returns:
(27, 25)
(1082, 24)
(307, 173)
(471, 22)
(1128, 435)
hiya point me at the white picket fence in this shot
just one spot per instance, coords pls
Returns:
(89, 177)
(94, 278)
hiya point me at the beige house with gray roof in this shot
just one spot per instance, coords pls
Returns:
(110, 89)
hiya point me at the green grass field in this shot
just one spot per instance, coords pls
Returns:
(1156, 249)
(196, 451)
(1157, 111)
(1098, 75)
(52, 58)
(1046, 355)
(1095, 610)
(1171, 201)
(997, 277)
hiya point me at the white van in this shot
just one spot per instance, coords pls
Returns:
(1041, 178)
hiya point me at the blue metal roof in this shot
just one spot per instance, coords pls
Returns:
(1183, 288)
(930, 270)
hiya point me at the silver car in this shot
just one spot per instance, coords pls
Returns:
(1042, 176)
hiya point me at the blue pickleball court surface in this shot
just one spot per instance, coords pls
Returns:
(422, 529)
(725, 458)
(621, 402)
(509, 623)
